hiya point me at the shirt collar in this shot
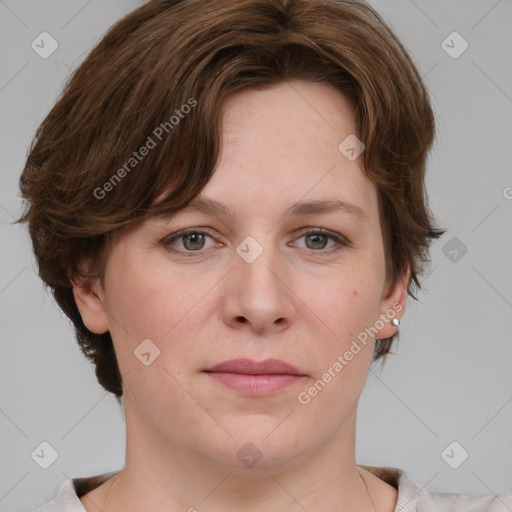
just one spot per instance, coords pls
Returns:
(72, 489)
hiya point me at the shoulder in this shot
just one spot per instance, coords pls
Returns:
(69, 493)
(65, 501)
(413, 497)
(443, 501)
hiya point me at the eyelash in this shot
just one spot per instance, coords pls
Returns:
(341, 241)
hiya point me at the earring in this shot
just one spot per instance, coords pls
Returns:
(395, 321)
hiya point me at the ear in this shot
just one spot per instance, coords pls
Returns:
(89, 300)
(393, 305)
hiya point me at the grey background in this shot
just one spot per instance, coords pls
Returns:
(451, 379)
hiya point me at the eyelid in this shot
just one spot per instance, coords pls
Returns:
(186, 231)
(341, 241)
(323, 231)
(339, 238)
(182, 232)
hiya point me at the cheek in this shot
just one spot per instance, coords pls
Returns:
(343, 357)
(346, 301)
(149, 307)
(344, 309)
(143, 294)
(148, 299)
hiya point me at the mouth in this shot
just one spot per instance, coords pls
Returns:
(254, 378)
(250, 367)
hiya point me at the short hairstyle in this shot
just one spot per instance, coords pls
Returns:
(157, 80)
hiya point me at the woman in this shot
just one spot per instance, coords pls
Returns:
(228, 202)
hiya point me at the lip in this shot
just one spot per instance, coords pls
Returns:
(250, 367)
(252, 378)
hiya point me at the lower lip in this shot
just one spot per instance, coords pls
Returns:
(255, 385)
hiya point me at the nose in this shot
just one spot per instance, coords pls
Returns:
(259, 296)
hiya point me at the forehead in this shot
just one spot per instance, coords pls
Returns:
(280, 145)
(314, 102)
(280, 156)
(300, 208)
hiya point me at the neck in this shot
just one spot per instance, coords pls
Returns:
(160, 475)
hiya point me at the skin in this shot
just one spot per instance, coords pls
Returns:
(303, 300)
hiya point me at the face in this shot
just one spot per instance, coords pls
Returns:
(291, 267)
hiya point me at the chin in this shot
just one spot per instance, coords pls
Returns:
(251, 445)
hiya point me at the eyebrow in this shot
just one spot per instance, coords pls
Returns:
(301, 208)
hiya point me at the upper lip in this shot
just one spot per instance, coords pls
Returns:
(250, 367)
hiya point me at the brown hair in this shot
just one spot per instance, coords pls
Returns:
(84, 177)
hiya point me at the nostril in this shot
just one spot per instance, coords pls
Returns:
(241, 319)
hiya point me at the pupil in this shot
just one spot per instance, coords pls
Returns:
(317, 237)
(196, 238)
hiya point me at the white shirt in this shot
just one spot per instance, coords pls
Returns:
(411, 496)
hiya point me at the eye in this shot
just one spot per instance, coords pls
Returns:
(191, 240)
(195, 240)
(318, 239)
